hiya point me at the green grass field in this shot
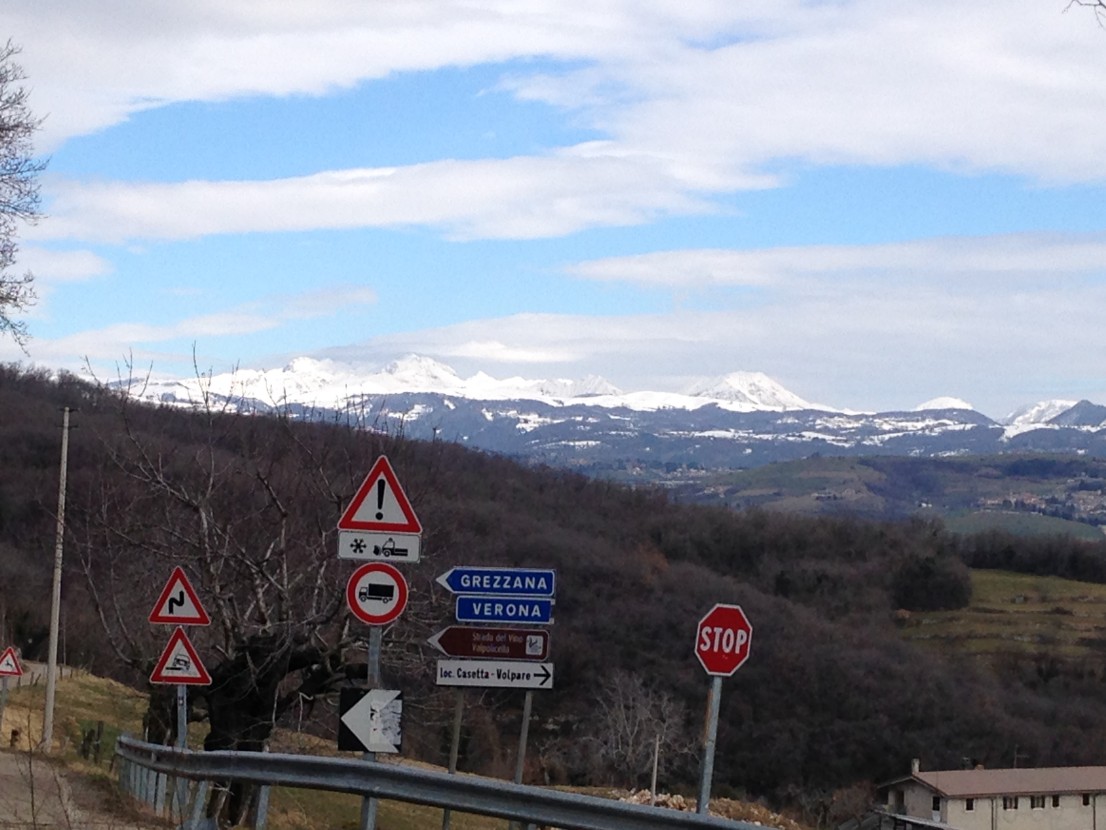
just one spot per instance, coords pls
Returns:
(1019, 614)
(1022, 524)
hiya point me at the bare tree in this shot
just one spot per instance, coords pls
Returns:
(630, 717)
(19, 195)
(247, 506)
(1099, 7)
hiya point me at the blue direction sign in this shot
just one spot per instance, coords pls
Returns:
(537, 610)
(514, 582)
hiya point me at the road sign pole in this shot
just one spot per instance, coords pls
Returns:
(182, 716)
(710, 738)
(376, 638)
(454, 744)
(3, 697)
(523, 733)
(181, 788)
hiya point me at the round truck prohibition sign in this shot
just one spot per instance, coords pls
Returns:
(376, 593)
(723, 639)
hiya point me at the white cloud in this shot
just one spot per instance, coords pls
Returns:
(109, 344)
(93, 64)
(1009, 257)
(495, 351)
(51, 266)
(510, 198)
(693, 98)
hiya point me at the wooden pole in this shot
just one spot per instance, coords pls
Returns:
(55, 597)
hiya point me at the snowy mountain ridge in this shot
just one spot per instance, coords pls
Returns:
(737, 420)
(331, 384)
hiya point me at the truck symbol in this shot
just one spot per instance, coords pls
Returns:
(377, 592)
(389, 549)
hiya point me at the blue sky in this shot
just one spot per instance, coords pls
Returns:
(874, 202)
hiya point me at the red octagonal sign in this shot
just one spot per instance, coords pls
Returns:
(723, 640)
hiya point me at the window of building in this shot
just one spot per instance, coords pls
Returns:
(1086, 799)
(1009, 802)
(1037, 802)
(1056, 801)
(936, 803)
(969, 804)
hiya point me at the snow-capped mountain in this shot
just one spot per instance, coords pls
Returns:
(943, 403)
(739, 420)
(325, 383)
(754, 390)
(1032, 416)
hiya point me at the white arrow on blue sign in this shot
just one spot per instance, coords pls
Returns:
(538, 610)
(515, 582)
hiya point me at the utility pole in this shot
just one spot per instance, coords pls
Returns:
(55, 601)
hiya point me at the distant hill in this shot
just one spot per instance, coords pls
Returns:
(1069, 489)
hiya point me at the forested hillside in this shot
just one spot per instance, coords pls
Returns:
(831, 697)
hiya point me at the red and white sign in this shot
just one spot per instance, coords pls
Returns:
(723, 639)
(180, 663)
(9, 664)
(178, 603)
(376, 593)
(380, 505)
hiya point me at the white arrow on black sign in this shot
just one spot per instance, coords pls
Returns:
(373, 721)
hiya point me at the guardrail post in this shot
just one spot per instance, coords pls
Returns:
(123, 772)
(261, 816)
(197, 821)
(161, 784)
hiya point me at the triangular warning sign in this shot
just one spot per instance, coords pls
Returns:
(178, 603)
(380, 504)
(180, 663)
(9, 664)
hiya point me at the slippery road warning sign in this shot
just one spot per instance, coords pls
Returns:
(180, 663)
(178, 603)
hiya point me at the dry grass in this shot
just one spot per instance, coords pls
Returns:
(92, 794)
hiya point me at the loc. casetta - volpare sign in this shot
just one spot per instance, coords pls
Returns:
(495, 673)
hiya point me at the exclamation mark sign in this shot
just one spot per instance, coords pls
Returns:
(380, 500)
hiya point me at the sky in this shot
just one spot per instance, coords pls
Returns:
(874, 202)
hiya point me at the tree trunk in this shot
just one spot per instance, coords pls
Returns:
(242, 702)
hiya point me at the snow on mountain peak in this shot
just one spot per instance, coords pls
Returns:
(423, 374)
(943, 402)
(753, 390)
(1036, 413)
(1034, 416)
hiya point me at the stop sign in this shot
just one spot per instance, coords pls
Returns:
(723, 640)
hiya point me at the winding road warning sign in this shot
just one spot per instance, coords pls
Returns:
(178, 603)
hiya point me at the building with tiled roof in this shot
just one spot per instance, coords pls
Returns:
(1050, 798)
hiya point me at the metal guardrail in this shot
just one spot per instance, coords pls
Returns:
(463, 793)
